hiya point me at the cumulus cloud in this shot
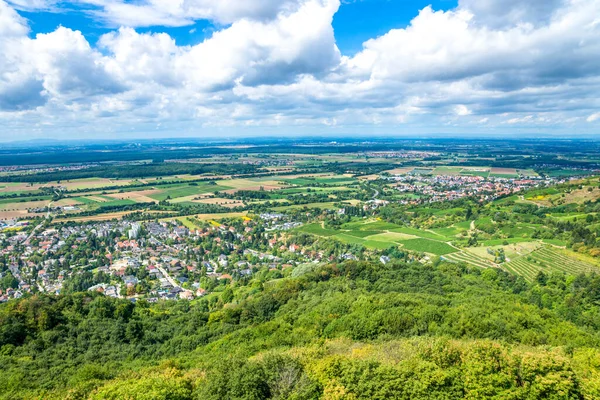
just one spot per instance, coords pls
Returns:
(276, 63)
(145, 13)
(503, 13)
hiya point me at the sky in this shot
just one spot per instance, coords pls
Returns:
(114, 69)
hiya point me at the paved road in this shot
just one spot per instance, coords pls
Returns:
(32, 233)
(163, 271)
(168, 277)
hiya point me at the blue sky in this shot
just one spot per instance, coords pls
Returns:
(358, 21)
(354, 23)
(152, 68)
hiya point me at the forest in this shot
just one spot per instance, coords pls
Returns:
(155, 169)
(355, 330)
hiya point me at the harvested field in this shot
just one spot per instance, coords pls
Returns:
(141, 196)
(91, 183)
(4, 215)
(18, 206)
(10, 187)
(504, 172)
(97, 199)
(101, 217)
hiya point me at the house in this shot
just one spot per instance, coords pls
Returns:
(223, 260)
(384, 259)
(186, 295)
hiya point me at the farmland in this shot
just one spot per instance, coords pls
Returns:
(548, 260)
(437, 216)
(381, 235)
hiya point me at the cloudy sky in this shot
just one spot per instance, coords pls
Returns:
(177, 68)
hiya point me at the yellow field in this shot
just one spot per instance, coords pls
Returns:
(101, 217)
(511, 251)
(91, 183)
(209, 217)
(207, 199)
(249, 184)
(18, 209)
(6, 187)
(18, 206)
(140, 196)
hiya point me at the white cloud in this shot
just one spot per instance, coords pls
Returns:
(502, 13)
(521, 120)
(276, 63)
(247, 52)
(145, 13)
(11, 23)
(462, 110)
(593, 117)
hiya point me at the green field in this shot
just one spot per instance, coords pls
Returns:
(468, 258)
(317, 229)
(428, 246)
(548, 260)
(382, 235)
(187, 190)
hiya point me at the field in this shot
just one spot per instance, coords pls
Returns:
(504, 173)
(550, 197)
(469, 258)
(548, 260)
(21, 209)
(100, 217)
(186, 190)
(208, 217)
(142, 196)
(381, 235)
(17, 187)
(229, 203)
(526, 260)
(234, 185)
(447, 170)
(90, 183)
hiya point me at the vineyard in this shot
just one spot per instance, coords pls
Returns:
(469, 258)
(545, 259)
(548, 260)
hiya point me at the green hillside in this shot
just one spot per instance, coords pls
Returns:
(342, 331)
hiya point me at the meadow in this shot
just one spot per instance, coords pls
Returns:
(375, 234)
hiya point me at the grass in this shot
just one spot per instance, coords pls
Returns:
(420, 232)
(318, 230)
(187, 190)
(346, 238)
(86, 201)
(378, 245)
(392, 237)
(361, 234)
(468, 258)
(187, 223)
(329, 206)
(428, 246)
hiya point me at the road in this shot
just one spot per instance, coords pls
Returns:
(32, 233)
(163, 271)
(167, 276)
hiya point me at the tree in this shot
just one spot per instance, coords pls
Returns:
(9, 281)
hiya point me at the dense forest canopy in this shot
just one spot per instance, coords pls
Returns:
(350, 330)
